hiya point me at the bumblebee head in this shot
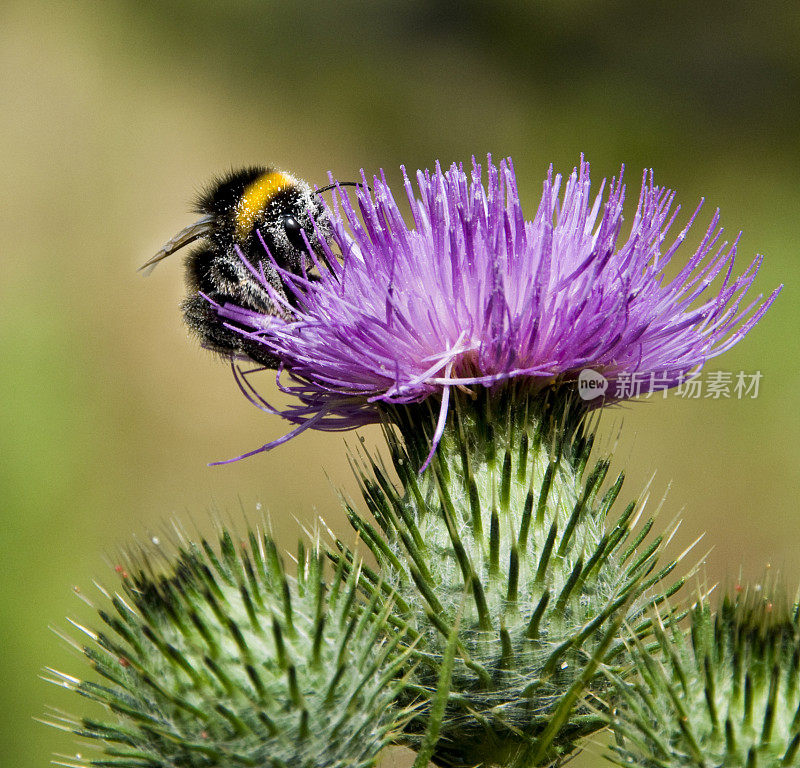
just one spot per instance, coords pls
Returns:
(250, 204)
(278, 208)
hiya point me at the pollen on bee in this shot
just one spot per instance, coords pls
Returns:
(256, 197)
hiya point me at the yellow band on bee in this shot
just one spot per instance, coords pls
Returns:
(256, 197)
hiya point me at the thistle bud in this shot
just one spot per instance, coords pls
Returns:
(223, 659)
(727, 692)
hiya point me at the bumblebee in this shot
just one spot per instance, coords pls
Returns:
(237, 212)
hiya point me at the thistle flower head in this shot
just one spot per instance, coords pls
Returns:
(725, 693)
(474, 294)
(224, 660)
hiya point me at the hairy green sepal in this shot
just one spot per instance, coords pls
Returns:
(511, 512)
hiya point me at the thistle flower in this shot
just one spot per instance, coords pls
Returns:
(225, 660)
(725, 693)
(474, 294)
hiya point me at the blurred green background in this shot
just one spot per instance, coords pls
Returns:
(113, 115)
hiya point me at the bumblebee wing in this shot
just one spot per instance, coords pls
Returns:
(200, 228)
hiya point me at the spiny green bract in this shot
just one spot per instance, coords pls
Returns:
(727, 693)
(226, 661)
(506, 533)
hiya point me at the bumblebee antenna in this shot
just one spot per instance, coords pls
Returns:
(343, 184)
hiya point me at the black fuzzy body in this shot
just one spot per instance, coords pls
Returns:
(216, 272)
